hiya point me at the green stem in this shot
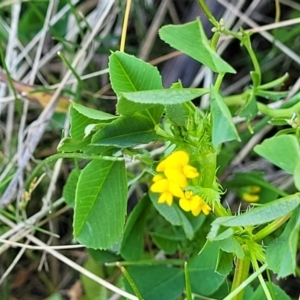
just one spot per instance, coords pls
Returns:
(245, 39)
(209, 15)
(215, 40)
(280, 112)
(208, 168)
(130, 281)
(220, 210)
(241, 274)
(149, 262)
(238, 100)
(271, 228)
(246, 282)
(219, 81)
(188, 288)
(260, 278)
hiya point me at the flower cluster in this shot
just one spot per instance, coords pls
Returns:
(171, 180)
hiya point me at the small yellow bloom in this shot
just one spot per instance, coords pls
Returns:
(167, 189)
(194, 203)
(190, 172)
(173, 177)
(250, 193)
(176, 160)
(250, 197)
(176, 176)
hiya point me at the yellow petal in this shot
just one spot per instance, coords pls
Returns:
(166, 197)
(206, 209)
(159, 186)
(176, 176)
(185, 204)
(175, 190)
(255, 189)
(250, 198)
(190, 171)
(195, 201)
(196, 211)
(161, 166)
(157, 177)
(177, 158)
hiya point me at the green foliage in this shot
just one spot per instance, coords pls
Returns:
(191, 40)
(96, 199)
(157, 282)
(171, 217)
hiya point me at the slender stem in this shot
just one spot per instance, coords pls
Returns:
(208, 167)
(266, 110)
(260, 278)
(130, 281)
(188, 288)
(271, 227)
(278, 11)
(245, 39)
(280, 112)
(209, 15)
(219, 81)
(125, 25)
(246, 282)
(241, 274)
(220, 211)
(214, 40)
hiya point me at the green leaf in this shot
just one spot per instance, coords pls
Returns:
(132, 244)
(223, 128)
(165, 244)
(225, 263)
(166, 96)
(176, 216)
(285, 247)
(92, 113)
(130, 74)
(271, 95)
(72, 145)
(257, 216)
(103, 256)
(168, 212)
(127, 131)
(231, 245)
(157, 282)
(278, 292)
(283, 151)
(100, 204)
(297, 176)
(204, 279)
(93, 290)
(70, 187)
(78, 124)
(190, 39)
(249, 110)
(127, 107)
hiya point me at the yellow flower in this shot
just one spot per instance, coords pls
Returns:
(250, 193)
(194, 203)
(173, 177)
(166, 188)
(178, 161)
